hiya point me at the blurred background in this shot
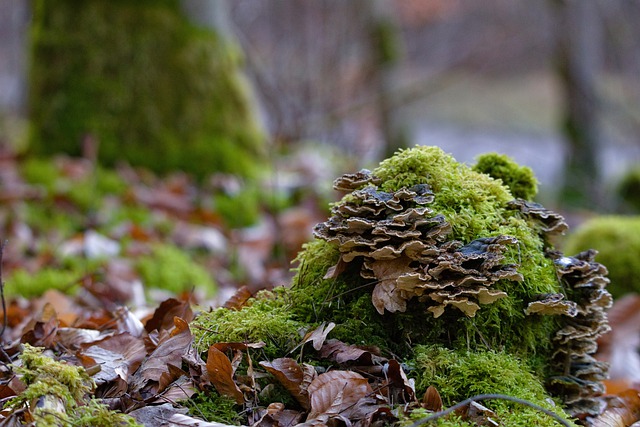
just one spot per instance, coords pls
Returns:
(266, 102)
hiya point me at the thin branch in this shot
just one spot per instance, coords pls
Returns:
(4, 305)
(446, 412)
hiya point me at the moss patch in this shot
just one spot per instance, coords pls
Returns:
(167, 267)
(617, 239)
(267, 318)
(475, 205)
(458, 375)
(62, 384)
(519, 179)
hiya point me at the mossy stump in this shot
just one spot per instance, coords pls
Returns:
(423, 255)
(150, 87)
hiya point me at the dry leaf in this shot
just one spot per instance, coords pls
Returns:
(336, 391)
(431, 400)
(622, 410)
(293, 377)
(398, 379)
(340, 352)
(238, 299)
(164, 314)
(318, 335)
(386, 294)
(221, 375)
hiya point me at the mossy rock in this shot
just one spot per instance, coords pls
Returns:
(617, 240)
(151, 88)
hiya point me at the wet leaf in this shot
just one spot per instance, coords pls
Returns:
(163, 316)
(221, 375)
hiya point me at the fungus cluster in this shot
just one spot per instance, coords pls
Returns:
(402, 248)
(579, 375)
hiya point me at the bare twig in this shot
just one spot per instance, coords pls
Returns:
(447, 411)
(4, 305)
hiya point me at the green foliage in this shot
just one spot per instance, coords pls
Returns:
(458, 375)
(213, 407)
(31, 285)
(68, 385)
(168, 267)
(150, 87)
(267, 317)
(617, 239)
(519, 179)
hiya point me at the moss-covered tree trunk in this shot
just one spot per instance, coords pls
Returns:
(151, 87)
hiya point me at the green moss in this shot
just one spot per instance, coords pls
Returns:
(31, 285)
(471, 202)
(151, 88)
(617, 239)
(267, 318)
(211, 406)
(519, 179)
(68, 385)
(458, 375)
(167, 267)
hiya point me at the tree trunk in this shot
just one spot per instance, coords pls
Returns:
(578, 62)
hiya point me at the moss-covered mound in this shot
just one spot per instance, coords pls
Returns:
(425, 253)
(617, 240)
(148, 86)
(475, 206)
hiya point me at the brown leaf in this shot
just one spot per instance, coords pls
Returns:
(342, 353)
(398, 379)
(336, 391)
(164, 314)
(170, 351)
(241, 346)
(386, 294)
(318, 335)
(622, 411)
(221, 375)
(277, 416)
(293, 377)
(238, 299)
(431, 401)
(118, 356)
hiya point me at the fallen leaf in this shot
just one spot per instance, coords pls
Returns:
(622, 410)
(221, 375)
(293, 377)
(431, 401)
(398, 380)
(336, 391)
(118, 356)
(341, 353)
(318, 335)
(238, 299)
(163, 316)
